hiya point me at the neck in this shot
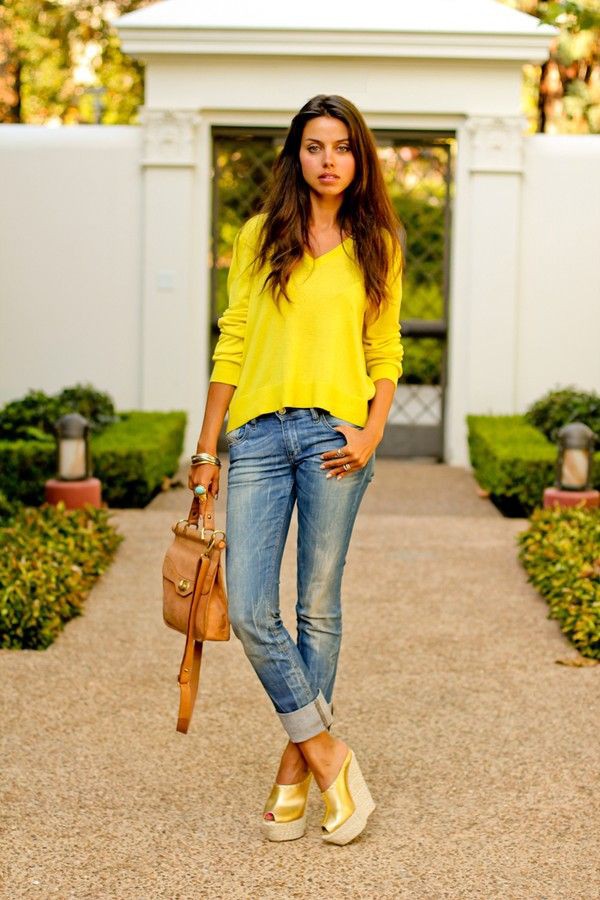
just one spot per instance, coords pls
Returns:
(324, 211)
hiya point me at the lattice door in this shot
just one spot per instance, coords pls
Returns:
(418, 172)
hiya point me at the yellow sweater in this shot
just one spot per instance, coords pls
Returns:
(318, 351)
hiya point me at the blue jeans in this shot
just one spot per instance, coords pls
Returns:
(274, 461)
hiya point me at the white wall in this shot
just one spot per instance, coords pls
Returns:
(558, 340)
(70, 267)
(77, 249)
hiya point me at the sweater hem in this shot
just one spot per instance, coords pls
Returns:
(352, 407)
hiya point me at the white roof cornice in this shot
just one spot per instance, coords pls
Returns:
(451, 29)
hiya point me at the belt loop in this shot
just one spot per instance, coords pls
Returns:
(314, 413)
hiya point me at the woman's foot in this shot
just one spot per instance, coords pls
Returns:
(284, 816)
(325, 755)
(348, 801)
(292, 767)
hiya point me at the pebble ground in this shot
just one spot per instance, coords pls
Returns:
(481, 752)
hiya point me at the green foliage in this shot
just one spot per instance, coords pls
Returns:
(563, 95)
(35, 415)
(559, 407)
(8, 508)
(43, 71)
(131, 457)
(512, 459)
(50, 559)
(25, 466)
(561, 554)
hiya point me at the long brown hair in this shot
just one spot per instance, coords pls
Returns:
(366, 212)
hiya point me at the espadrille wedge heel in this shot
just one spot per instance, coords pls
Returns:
(287, 805)
(348, 804)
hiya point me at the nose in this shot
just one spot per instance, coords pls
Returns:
(328, 157)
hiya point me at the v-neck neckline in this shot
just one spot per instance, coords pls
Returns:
(327, 252)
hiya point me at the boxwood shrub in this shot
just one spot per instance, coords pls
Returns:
(563, 405)
(513, 461)
(131, 457)
(50, 559)
(561, 555)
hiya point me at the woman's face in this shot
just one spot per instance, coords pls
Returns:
(328, 165)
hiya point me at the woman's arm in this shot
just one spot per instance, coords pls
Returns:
(379, 407)
(227, 359)
(383, 357)
(218, 399)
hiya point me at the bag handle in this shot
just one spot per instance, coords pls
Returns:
(208, 512)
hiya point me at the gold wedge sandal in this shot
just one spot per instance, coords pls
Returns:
(287, 805)
(348, 804)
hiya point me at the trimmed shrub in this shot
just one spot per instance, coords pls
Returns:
(8, 508)
(561, 555)
(50, 559)
(512, 460)
(131, 457)
(35, 415)
(559, 407)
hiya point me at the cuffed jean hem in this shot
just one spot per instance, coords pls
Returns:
(312, 719)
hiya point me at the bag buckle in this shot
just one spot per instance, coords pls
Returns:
(212, 538)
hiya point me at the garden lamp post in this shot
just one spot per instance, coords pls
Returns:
(575, 457)
(574, 463)
(74, 484)
(73, 462)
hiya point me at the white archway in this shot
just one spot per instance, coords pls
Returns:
(447, 65)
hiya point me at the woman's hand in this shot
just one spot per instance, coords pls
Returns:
(207, 475)
(360, 446)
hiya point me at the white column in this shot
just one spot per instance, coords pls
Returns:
(174, 310)
(483, 316)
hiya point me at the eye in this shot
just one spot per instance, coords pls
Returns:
(312, 147)
(345, 148)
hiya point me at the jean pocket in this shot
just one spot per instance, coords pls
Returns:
(237, 435)
(330, 421)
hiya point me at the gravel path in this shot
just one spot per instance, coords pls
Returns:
(481, 752)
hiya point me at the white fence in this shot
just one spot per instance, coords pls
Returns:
(71, 270)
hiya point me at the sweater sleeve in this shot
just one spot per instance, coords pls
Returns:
(227, 356)
(381, 338)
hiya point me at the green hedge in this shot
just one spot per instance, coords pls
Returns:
(563, 405)
(513, 460)
(561, 555)
(50, 559)
(130, 457)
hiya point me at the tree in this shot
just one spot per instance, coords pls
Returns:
(563, 94)
(57, 59)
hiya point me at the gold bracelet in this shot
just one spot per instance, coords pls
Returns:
(200, 458)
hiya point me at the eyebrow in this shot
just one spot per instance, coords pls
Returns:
(317, 141)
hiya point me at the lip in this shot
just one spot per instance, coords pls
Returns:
(329, 176)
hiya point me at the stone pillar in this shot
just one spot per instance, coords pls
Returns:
(486, 244)
(173, 333)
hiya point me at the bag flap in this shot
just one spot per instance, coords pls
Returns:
(181, 571)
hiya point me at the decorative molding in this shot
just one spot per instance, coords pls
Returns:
(142, 42)
(169, 137)
(496, 143)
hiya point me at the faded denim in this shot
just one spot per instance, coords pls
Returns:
(274, 463)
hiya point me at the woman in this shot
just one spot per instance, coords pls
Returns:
(307, 363)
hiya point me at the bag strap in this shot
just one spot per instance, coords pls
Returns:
(189, 670)
(208, 511)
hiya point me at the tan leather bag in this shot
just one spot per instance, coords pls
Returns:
(194, 595)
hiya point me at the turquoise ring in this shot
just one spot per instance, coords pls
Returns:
(199, 490)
